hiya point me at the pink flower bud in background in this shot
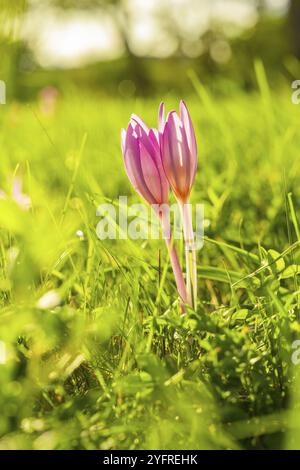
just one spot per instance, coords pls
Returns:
(22, 199)
(178, 150)
(17, 195)
(48, 98)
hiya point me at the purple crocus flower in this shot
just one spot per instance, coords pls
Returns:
(178, 150)
(179, 159)
(142, 159)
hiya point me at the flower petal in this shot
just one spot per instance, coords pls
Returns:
(123, 139)
(190, 133)
(148, 142)
(154, 137)
(188, 163)
(161, 117)
(133, 166)
(178, 151)
(140, 122)
(150, 173)
(167, 157)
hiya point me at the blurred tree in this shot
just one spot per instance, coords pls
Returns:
(294, 20)
(9, 8)
(118, 10)
(9, 48)
(268, 39)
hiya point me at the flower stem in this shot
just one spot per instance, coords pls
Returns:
(179, 279)
(188, 275)
(190, 252)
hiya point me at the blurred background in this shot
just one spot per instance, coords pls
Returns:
(130, 48)
(93, 353)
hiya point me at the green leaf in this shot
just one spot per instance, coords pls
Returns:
(290, 271)
(277, 263)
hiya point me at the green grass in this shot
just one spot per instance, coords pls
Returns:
(115, 366)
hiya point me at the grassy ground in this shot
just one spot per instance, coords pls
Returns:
(115, 365)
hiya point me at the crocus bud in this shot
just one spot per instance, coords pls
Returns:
(178, 150)
(142, 159)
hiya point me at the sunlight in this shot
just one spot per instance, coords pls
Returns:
(74, 39)
(77, 37)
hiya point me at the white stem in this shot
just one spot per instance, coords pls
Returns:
(191, 265)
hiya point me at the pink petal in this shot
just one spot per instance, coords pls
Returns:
(150, 143)
(190, 133)
(123, 139)
(139, 121)
(147, 142)
(154, 137)
(179, 155)
(188, 163)
(151, 174)
(167, 158)
(133, 166)
(21, 199)
(131, 157)
(161, 117)
(151, 146)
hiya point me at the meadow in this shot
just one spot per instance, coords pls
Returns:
(106, 360)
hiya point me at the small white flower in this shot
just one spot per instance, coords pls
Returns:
(49, 300)
(80, 234)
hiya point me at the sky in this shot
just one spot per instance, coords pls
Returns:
(76, 38)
